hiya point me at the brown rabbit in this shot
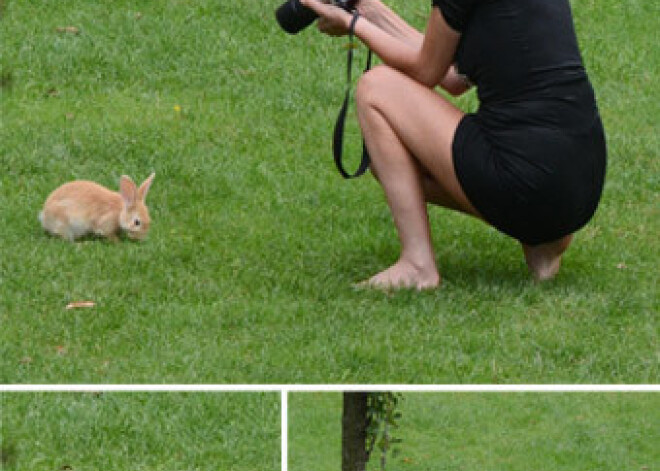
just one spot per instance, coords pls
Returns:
(78, 208)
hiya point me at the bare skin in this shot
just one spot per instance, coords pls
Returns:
(544, 260)
(409, 129)
(398, 116)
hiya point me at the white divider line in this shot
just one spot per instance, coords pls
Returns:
(140, 388)
(330, 388)
(285, 430)
(479, 388)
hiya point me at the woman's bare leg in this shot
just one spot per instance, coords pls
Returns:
(409, 129)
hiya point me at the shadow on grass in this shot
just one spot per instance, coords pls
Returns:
(8, 455)
(479, 256)
(122, 238)
(455, 268)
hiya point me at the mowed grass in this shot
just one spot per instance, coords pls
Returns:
(247, 274)
(140, 431)
(491, 432)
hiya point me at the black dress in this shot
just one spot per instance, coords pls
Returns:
(532, 159)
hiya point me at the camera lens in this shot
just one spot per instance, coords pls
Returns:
(293, 17)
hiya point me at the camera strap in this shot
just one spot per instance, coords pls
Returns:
(338, 138)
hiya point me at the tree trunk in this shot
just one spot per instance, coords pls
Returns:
(354, 423)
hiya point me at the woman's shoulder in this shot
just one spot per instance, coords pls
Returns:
(456, 12)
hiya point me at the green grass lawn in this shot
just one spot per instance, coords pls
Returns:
(256, 241)
(491, 432)
(140, 431)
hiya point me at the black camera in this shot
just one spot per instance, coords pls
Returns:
(293, 16)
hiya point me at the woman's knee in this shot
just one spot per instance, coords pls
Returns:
(372, 85)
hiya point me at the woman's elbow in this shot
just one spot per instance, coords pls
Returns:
(454, 85)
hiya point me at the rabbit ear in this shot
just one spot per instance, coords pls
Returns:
(144, 188)
(127, 190)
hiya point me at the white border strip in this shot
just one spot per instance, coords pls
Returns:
(285, 430)
(330, 388)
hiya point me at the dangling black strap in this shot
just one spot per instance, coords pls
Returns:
(338, 138)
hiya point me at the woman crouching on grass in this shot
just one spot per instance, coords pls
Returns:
(530, 162)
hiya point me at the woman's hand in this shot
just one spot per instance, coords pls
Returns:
(333, 20)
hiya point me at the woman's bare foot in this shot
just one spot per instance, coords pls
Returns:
(544, 260)
(404, 274)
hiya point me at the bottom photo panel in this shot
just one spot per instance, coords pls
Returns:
(358, 431)
(128, 431)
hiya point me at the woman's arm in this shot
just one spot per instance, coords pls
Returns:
(425, 58)
(383, 17)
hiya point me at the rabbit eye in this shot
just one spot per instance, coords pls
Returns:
(136, 222)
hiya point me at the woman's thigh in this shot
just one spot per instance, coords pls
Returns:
(425, 123)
